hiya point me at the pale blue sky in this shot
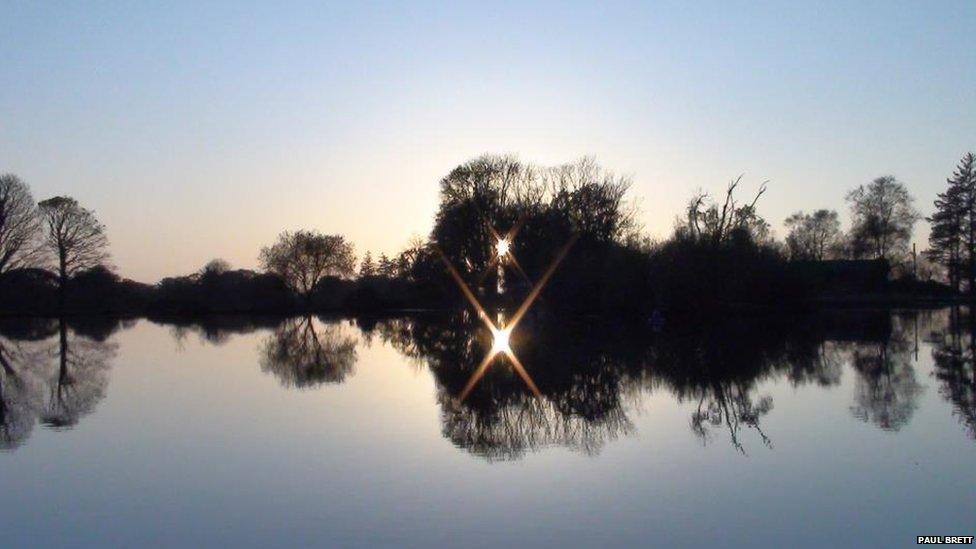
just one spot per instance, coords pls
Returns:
(201, 132)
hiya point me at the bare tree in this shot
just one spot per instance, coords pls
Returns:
(74, 235)
(303, 258)
(593, 198)
(709, 222)
(19, 225)
(883, 219)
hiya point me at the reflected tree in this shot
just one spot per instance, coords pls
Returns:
(80, 381)
(510, 429)
(589, 375)
(954, 354)
(886, 390)
(718, 369)
(583, 398)
(21, 395)
(302, 354)
(58, 394)
(822, 365)
(730, 407)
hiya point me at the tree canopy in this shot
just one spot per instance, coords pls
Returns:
(18, 225)
(303, 258)
(883, 218)
(815, 236)
(73, 235)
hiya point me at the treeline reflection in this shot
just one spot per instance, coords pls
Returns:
(592, 377)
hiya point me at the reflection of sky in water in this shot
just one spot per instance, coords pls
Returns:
(197, 443)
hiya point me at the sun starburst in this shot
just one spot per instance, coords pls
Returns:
(501, 333)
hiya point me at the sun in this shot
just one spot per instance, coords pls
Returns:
(502, 247)
(500, 340)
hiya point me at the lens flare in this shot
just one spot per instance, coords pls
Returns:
(501, 335)
(500, 342)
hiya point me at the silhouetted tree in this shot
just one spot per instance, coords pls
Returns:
(303, 258)
(73, 235)
(214, 268)
(592, 198)
(19, 226)
(215, 290)
(952, 239)
(367, 268)
(408, 262)
(813, 236)
(496, 193)
(384, 267)
(707, 221)
(719, 256)
(882, 219)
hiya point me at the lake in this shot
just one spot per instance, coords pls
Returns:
(847, 429)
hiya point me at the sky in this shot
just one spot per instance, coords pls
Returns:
(202, 131)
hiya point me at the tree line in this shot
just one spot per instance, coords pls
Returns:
(721, 250)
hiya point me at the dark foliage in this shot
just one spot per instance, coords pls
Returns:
(589, 373)
(213, 292)
(694, 276)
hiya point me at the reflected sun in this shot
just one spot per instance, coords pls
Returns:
(502, 247)
(500, 340)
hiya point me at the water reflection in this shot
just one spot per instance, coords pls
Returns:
(581, 388)
(954, 353)
(50, 373)
(217, 329)
(590, 377)
(80, 380)
(304, 353)
(886, 391)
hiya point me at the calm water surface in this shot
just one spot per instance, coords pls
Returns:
(852, 430)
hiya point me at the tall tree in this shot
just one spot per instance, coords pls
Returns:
(19, 225)
(951, 239)
(966, 174)
(813, 236)
(303, 258)
(73, 235)
(367, 268)
(384, 267)
(883, 218)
